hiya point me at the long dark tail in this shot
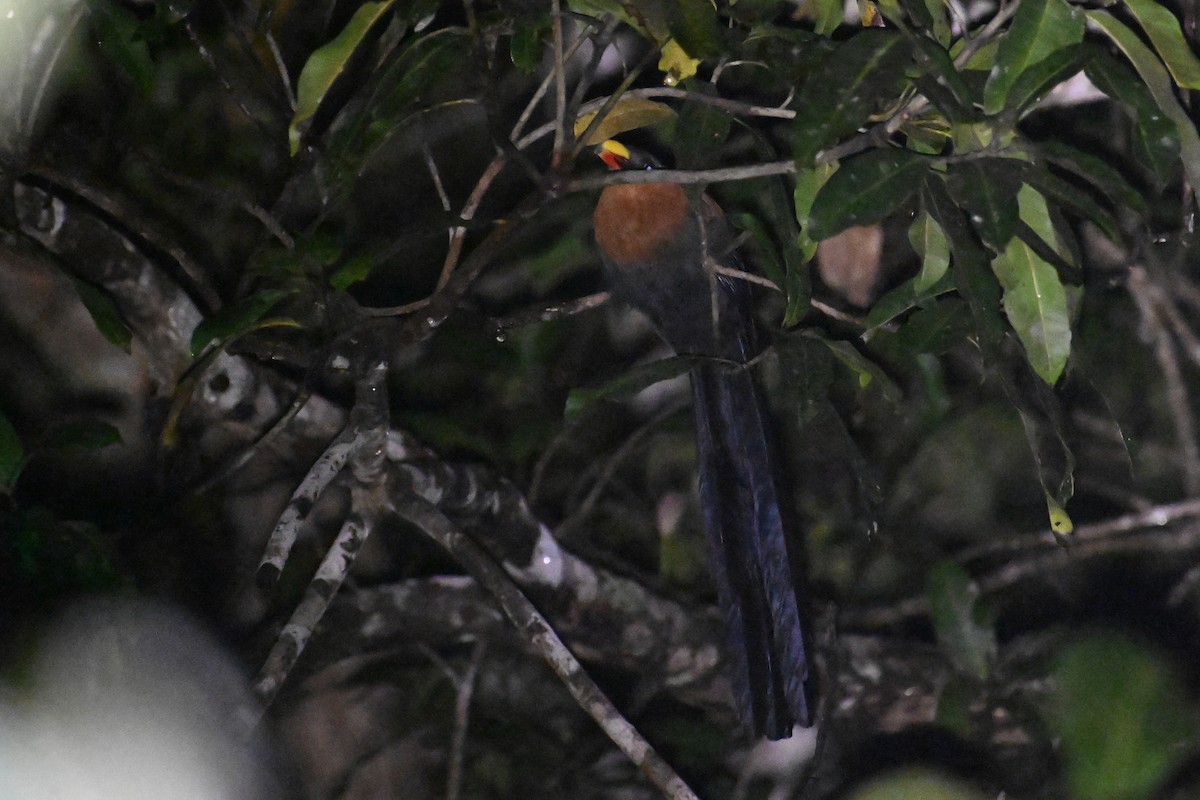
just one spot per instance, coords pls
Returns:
(753, 562)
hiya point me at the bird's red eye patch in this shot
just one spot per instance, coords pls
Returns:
(612, 160)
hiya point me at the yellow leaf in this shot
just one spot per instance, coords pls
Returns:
(630, 113)
(1060, 520)
(676, 63)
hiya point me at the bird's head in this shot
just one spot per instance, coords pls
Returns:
(617, 156)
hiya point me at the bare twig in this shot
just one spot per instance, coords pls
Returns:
(323, 587)
(284, 80)
(685, 176)
(195, 277)
(542, 637)
(1151, 301)
(319, 476)
(560, 83)
(609, 469)
(246, 454)
(1037, 554)
(462, 716)
(367, 455)
(549, 313)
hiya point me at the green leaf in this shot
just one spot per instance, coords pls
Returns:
(846, 88)
(763, 246)
(776, 242)
(327, 64)
(12, 456)
(1119, 713)
(903, 298)
(118, 32)
(942, 83)
(1070, 196)
(1159, 83)
(1165, 34)
(1035, 213)
(1096, 171)
(937, 329)
(865, 190)
(987, 189)
(866, 370)
(1038, 29)
(355, 270)
(700, 131)
(955, 608)
(632, 382)
(929, 241)
(969, 264)
(695, 25)
(1155, 138)
(83, 434)
(1043, 420)
(828, 15)
(916, 783)
(100, 306)
(808, 183)
(236, 318)
(1034, 83)
(526, 45)
(1036, 306)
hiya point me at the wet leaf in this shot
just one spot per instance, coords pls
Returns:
(865, 370)
(1069, 195)
(937, 329)
(808, 183)
(942, 82)
(355, 270)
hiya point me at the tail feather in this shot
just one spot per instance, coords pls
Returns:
(753, 562)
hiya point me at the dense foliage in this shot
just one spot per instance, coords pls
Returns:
(246, 243)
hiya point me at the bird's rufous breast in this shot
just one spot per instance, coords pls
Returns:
(636, 221)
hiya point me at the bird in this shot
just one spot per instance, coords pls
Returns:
(659, 243)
